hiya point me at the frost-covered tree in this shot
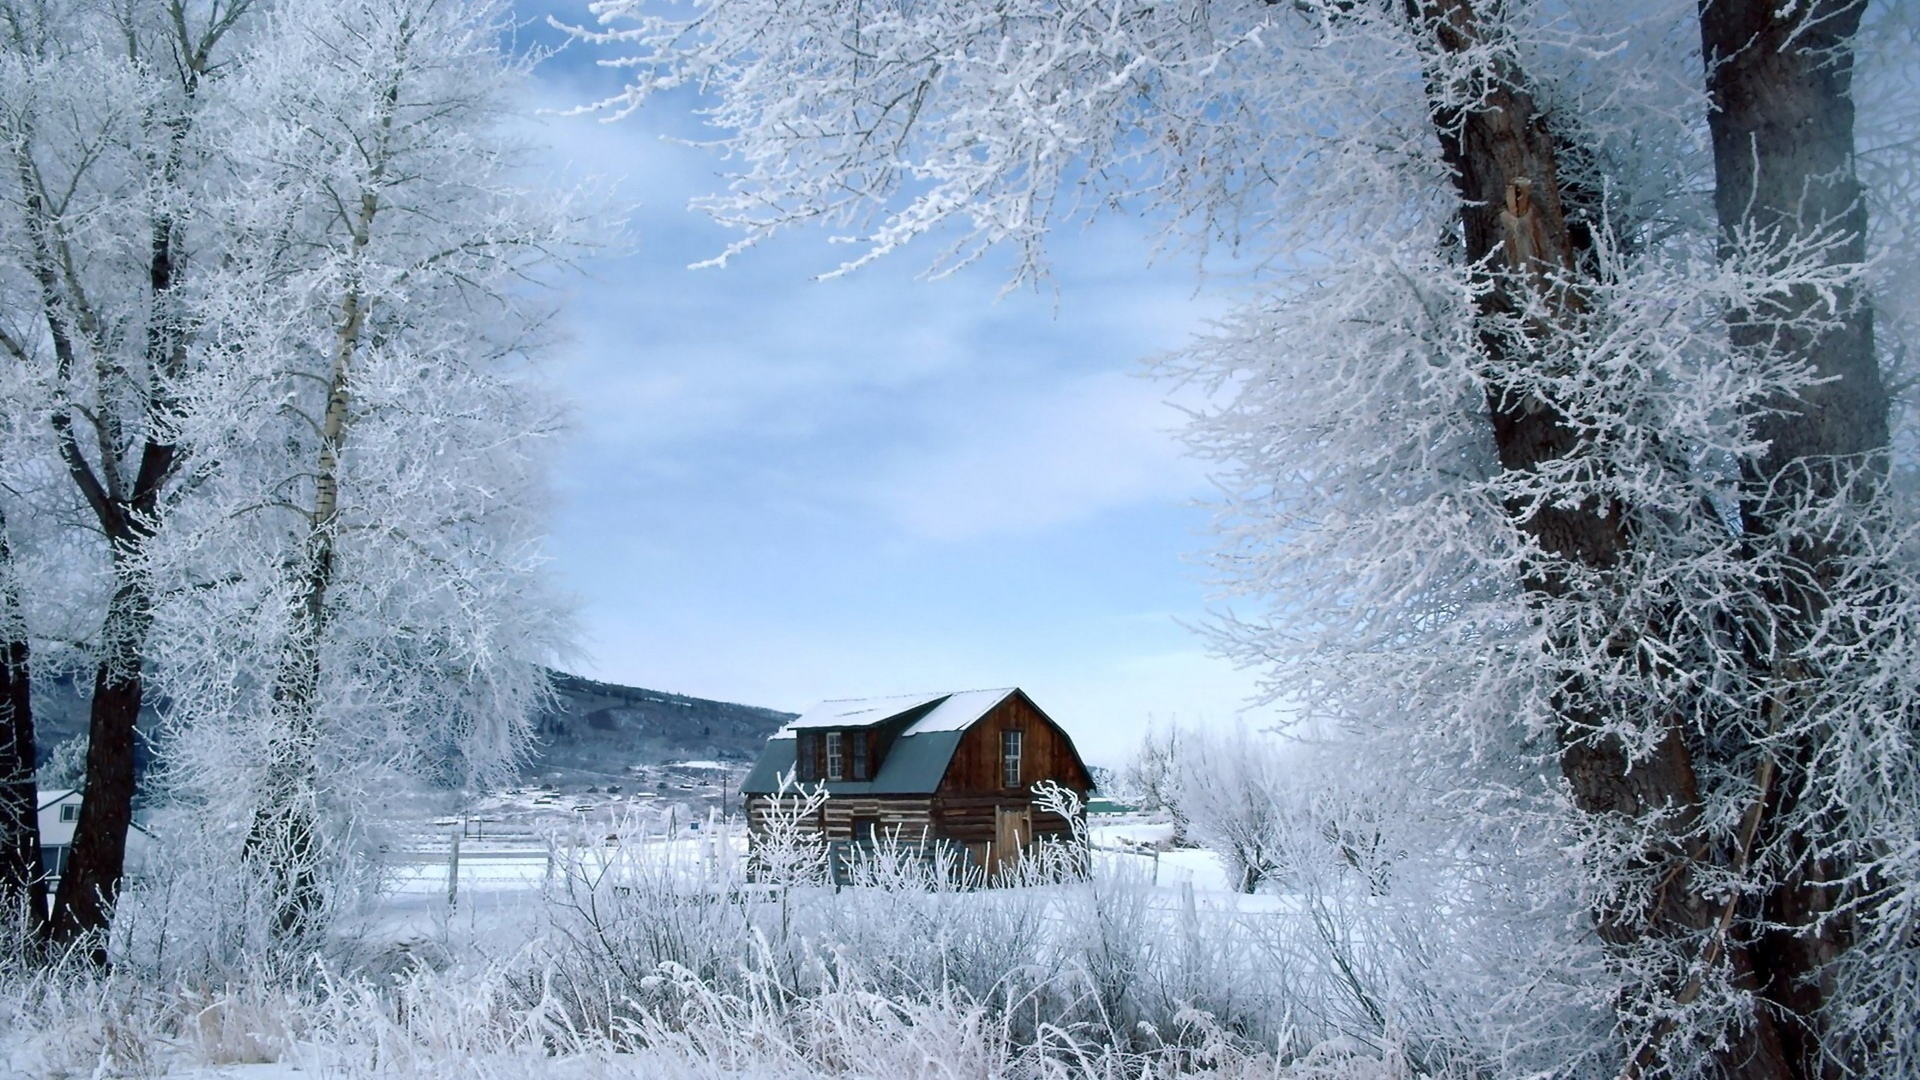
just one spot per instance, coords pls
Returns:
(1555, 434)
(1151, 778)
(106, 165)
(373, 538)
(1228, 791)
(304, 397)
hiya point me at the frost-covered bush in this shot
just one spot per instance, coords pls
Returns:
(668, 959)
(201, 915)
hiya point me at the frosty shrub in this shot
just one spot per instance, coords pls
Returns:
(621, 914)
(200, 915)
(654, 941)
(663, 955)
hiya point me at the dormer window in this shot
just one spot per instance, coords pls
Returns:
(1010, 759)
(836, 768)
(860, 770)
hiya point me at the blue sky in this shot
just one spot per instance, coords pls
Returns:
(779, 489)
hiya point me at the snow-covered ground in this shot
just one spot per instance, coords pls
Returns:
(497, 979)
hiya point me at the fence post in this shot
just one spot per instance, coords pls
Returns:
(453, 871)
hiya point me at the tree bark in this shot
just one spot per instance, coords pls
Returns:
(97, 860)
(284, 837)
(1779, 78)
(1514, 222)
(23, 887)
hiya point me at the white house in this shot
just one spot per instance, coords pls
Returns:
(59, 815)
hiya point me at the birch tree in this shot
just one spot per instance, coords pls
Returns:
(1556, 440)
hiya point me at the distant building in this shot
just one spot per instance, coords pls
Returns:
(59, 815)
(955, 769)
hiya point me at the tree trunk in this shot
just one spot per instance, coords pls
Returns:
(97, 860)
(125, 513)
(284, 837)
(1779, 77)
(22, 886)
(1505, 162)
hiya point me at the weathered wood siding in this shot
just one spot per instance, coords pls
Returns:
(1046, 753)
(964, 805)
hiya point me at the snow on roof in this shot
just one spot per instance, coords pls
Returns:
(948, 712)
(959, 710)
(917, 760)
(53, 795)
(860, 712)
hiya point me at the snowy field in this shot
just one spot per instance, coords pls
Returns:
(580, 956)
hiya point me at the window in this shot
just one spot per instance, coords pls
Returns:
(805, 766)
(860, 755)
(70, 812)
(836, 770)
(1010, 759)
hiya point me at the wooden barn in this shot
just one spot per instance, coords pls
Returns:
(955, 769)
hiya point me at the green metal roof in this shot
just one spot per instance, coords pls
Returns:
(775, 760)
(913, 766)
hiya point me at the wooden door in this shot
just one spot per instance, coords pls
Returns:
(1012, 828)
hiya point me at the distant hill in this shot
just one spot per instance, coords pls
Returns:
(595, 729)
(602, 728)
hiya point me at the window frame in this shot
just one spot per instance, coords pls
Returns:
(860, 765)
(69, 812)
(836, 763)
(1012, 748)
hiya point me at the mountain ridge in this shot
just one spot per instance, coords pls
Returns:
(592, 728)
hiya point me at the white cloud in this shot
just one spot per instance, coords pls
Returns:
(1040, 461)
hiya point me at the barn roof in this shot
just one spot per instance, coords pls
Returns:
(948, 712)
(919, 755)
